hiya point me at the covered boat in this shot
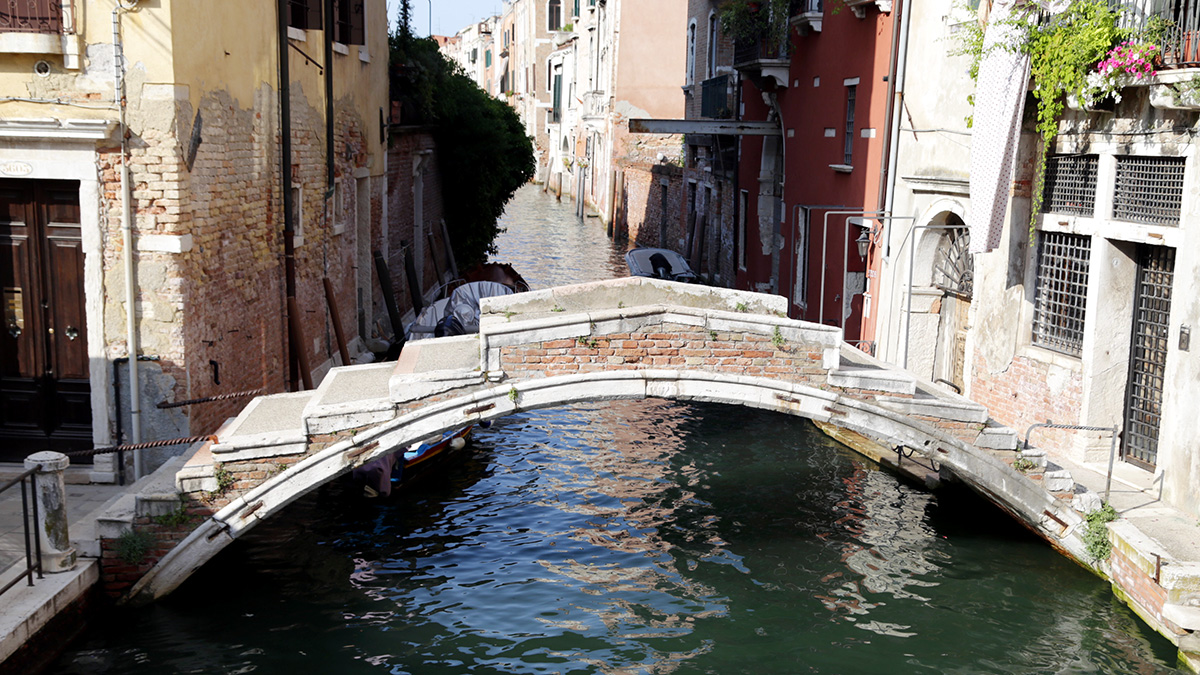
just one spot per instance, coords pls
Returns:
(659, 263)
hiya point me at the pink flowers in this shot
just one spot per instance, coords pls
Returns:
(1129, 58)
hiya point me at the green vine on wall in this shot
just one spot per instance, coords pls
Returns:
(753, 20)
(1063, 52)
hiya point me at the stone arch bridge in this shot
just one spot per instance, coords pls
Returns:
(628, 338)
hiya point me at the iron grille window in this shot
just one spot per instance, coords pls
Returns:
(1061, 299)
(1149, 190)
(1070, 185)
(31, 16)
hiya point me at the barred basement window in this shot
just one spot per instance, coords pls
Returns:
(1070, 185)
(1060, 302)
(1149, 190)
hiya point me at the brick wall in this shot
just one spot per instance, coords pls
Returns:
(1022, 395)
(214, 315)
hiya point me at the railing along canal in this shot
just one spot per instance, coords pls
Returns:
(29, 517)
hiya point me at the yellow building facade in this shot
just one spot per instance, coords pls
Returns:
(186, 96)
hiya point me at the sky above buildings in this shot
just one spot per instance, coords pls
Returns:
(449, 16)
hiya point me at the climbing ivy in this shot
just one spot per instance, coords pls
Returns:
(1062, 51)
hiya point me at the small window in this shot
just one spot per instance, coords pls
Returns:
(1149, 190)
(1070, 185)
(349, 22)
(713, 38)
(556, 111)
(304, 14)
(743, 205)
(297, 215)
(691, 53)
(487, 58)
(554, 15)
(1060, 303)
(848, 145)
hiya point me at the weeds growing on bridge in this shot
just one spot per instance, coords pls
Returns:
(1095, 537)
(777, 339)
(1024, 465)
(512, 394)
(133, 545)
(741, 307)
(175, 518)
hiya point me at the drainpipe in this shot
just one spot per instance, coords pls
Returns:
(896, 108)
(329, 170)
(131, 333)
(285, 172)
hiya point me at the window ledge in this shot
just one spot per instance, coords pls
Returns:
(31, 43)
(341, 49)
(842, 168)
(297, 34)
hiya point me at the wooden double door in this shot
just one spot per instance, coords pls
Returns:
(45, 395)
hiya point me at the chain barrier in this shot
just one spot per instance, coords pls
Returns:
(208, 399)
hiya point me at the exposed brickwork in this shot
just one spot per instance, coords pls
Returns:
(117, 575)
(1141, 588)
(1021, 396)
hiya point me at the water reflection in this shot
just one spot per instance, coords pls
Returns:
(549, 246)
(633, 537)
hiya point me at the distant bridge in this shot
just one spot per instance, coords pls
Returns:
(631, 338)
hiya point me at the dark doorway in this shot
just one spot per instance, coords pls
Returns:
(1148, 360)
(45, 395)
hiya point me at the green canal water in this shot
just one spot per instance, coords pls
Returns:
(644, 537)
(637, 537)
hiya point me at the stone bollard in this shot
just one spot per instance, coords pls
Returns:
(51, 495)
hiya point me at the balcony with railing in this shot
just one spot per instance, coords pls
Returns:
(1177, 20)
(764, 61)
(38, 27)
(714, 98)
(807, 15)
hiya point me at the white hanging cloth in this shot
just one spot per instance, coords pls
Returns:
(999, 100)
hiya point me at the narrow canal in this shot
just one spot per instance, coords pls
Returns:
(633, 537)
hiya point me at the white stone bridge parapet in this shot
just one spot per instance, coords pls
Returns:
(623, 339)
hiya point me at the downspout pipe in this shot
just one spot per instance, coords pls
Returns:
(285, 172)
(329, 170)
(131, 332)
(896, 105)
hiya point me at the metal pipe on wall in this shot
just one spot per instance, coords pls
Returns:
(131, 332)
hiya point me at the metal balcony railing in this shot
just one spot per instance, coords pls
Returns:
(714, 98)
(32, 16)
(1181, 42)
(752, 51)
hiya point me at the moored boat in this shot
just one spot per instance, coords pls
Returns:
(659, 263)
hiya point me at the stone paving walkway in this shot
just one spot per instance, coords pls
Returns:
(82, 501)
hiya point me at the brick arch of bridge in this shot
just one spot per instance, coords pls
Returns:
(670, 352)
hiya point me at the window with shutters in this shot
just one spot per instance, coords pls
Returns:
(304, 14)
(349, 22)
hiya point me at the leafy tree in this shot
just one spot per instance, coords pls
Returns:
(482, 148)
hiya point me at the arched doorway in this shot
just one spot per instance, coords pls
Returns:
(953, 275)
